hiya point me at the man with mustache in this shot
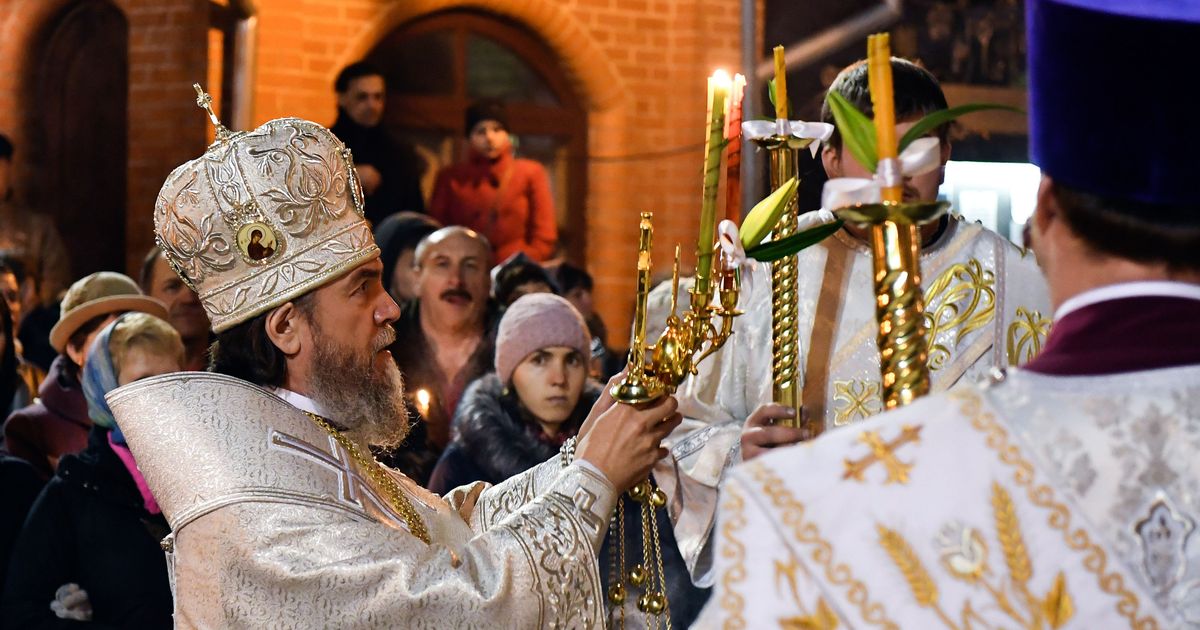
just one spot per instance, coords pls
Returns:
(279, 515)
(986, 307)
(445, 339)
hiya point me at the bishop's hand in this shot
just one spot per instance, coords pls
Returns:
(603, 403)
(624, 441)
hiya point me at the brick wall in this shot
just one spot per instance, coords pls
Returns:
(166, 53)
(637, 64)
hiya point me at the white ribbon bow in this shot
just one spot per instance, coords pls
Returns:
(921, 156)
(731, 242)
(815, 131)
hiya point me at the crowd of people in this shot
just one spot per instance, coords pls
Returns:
(81, 530)
(415, 426)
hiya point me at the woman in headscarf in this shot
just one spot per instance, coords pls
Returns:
(89, 551)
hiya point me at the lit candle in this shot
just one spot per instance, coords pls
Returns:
(733, 157)
(879, 76)
(718, 88)
(781, 104)
(423, 399)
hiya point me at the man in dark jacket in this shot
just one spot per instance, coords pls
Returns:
(390, 171)
(444, 341)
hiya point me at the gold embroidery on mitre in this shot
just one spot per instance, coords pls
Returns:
(817, 548)
(963, 297)
(1095, 559)
(1025, 335)
(964, 556)
(883, 452)
(734, 520)
(856, 399)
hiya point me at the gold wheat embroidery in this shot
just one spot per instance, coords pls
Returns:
(1009, 533)
(964, 555)
(1110, 581)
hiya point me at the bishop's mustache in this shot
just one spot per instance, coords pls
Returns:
(460, 293)
(385, 338)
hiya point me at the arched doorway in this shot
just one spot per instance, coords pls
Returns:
(80, 88)
(438, 65)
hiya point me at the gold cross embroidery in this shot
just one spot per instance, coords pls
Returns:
(897, 471)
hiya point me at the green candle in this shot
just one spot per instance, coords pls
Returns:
(718, 89)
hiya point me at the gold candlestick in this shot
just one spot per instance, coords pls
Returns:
(782, 151)
(895, 248)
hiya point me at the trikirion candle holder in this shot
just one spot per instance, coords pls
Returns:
(899, 301)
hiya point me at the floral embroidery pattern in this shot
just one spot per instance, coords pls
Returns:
(1096, 560)
(1025, 335)
(962, 297)
(855, 399)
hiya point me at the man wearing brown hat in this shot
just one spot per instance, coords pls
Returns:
(280, 517)
(57, 422)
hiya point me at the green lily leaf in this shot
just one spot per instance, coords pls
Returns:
(762, 218)
(858, 131)
(933, 120)
(774, 250)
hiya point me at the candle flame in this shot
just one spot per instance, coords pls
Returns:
(722, 77)
(423, 397)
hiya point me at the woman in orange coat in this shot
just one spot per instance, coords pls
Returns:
(504, 198)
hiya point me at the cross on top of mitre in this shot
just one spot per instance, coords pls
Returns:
(204, 100)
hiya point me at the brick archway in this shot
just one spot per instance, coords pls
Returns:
(588, 67)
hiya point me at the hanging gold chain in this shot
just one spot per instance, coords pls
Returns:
(380, 477)
(648, 574)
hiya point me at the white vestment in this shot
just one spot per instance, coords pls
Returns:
(1035, 502)
(986, 306)
(275, 525)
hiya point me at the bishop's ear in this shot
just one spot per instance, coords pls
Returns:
(286, 328)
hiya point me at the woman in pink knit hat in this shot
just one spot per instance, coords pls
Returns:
(539, 395)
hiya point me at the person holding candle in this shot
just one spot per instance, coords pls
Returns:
(1059, 494)
(986, 307)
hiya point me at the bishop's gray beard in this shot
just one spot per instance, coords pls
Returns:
(366, 400)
